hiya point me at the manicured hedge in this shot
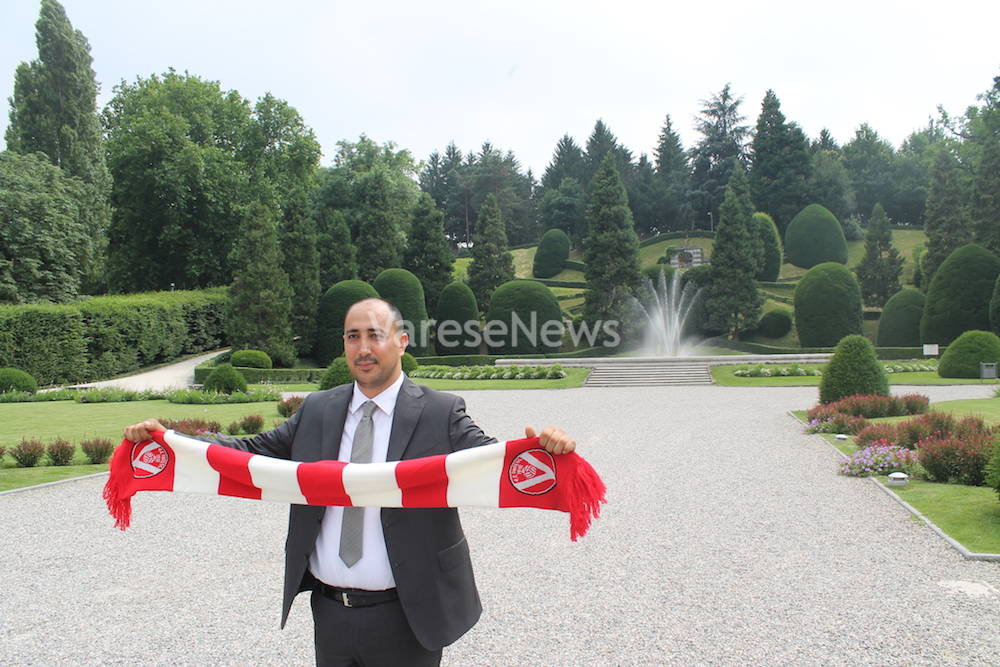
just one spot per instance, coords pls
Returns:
(666, 236)
(403, 290)
(853, 369)
(553, 251)
(884, 353)
(900, 322)
(457, 304)
(537, 309)
(14, 379)
(775, 323)
(827, 305)
(769, 237)
(958, 298)
(814, 236)
(251, 359)
(580, 284)
(575, 265)
(333, 307)
(107, 336)
(963, 356)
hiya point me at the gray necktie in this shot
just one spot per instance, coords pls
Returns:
(353, 525)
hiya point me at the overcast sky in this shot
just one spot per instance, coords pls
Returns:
(521, 74)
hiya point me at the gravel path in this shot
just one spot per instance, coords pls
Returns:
(172, 376)
(728, 539)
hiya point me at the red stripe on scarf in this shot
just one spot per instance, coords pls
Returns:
(322, 483)
(234, 471)
(424, 482)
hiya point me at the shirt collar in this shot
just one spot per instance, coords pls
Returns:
(386, 401)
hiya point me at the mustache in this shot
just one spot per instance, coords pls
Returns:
(358, 360)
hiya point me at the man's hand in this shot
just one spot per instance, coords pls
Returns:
(554, 440)
(139, 432)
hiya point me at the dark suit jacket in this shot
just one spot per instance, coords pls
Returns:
(427, 549)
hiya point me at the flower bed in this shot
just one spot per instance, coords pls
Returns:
(553, 372)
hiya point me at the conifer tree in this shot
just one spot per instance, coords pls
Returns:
(54, 111)
(880, 268)
(567, 162)
(428, 255)
(492, 264)
(564, 208)
(612, 246)
(986, 183)
(299, 244)
(945, 217)
(260, 308)
(672, 172)
(721, 150)
(781, 169)
(379, 225)
(733, 303)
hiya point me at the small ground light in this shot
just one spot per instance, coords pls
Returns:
(897, 478)
(841, 436)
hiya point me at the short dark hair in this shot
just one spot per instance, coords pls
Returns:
(394, 312)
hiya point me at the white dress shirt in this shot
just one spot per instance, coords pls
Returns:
(372, 572)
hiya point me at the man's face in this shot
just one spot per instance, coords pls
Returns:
(372, 345)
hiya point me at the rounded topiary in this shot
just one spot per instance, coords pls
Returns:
(775, 323)
(337, 373)
(958, 298)
(899, 325)
(770, 239)
(552, 253)
(853, 369)
(814, 236)
(995, 308)
(226, 380)
(457, 320)
(524, 318)
(827, 305)
(333, 307)
(14, 379)
(404, 290)
(962, 357)
(409, 363)
(250, 359)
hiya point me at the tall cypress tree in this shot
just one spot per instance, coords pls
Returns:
(567, 162)
(260, 308)
(986, 182)
(492, 264)
(880, 268)
(612, 246)
(780, 169)
(945, 216)
(54, 111)
(379, 225)
(733, 303)
(672, 172)
(299, 245)
(427, 255)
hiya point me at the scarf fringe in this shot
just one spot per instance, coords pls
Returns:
(118, 499)
(585, 496)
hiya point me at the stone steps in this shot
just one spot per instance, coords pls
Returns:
(649, 374)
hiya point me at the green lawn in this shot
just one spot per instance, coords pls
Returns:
(16, 478)
(723, 375)
(575, 377)
(651, 253)
(904, 240)
(524, 261)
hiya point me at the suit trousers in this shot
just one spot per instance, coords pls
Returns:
(375, 636)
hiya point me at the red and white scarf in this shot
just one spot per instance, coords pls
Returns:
(516, 473)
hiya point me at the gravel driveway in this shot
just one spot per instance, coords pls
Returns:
(728, 539)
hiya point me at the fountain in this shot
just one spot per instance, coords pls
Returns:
(666, 311)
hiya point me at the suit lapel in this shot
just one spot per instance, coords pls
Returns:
(333, 424)
(409, 405)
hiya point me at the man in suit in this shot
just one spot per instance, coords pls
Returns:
(389, 586)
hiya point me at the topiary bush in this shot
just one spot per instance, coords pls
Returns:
(14, 379)
(814, 236)
(827, 305)
(225, 380)
(899, 325)
(409, 362)
(853, 369)
(404, 290)
(333, 307)
(775, 323)
(770, 239)
(250, 359)
(958, 298)
(336, 374)
(961, 359)
(60, 452)
(457, 321)
(552, 253)
(524, 318)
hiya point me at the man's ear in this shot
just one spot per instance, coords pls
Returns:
(404, 340)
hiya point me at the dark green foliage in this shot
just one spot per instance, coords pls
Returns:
(491, 263)
(60, 452)
(869, 160)
(899, 325)
(564, 207)
(225, 380)
(337, 255)
(409, 362)
(14, 379)
(457, 320)
(946, 216)
(333, 309)
(995, 308)
(524, 318)
(337, 373)
(428, 255)
(721, 150)
(992, 470)
(770, 241)
(827, 305)
(985, 209)
(830, 184)
(41, 231)
(674, 177)
(300, 253)
(775, 323)
(653, 272)
(250, 359)
(403, 290)
(880, 268)
(962, 357)
(853, 369)
(260, 299)
(958, 298)
(612, 247)
(733, 302)
(552, 253)
(814, 236)
(568, 161)
(779, 177)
